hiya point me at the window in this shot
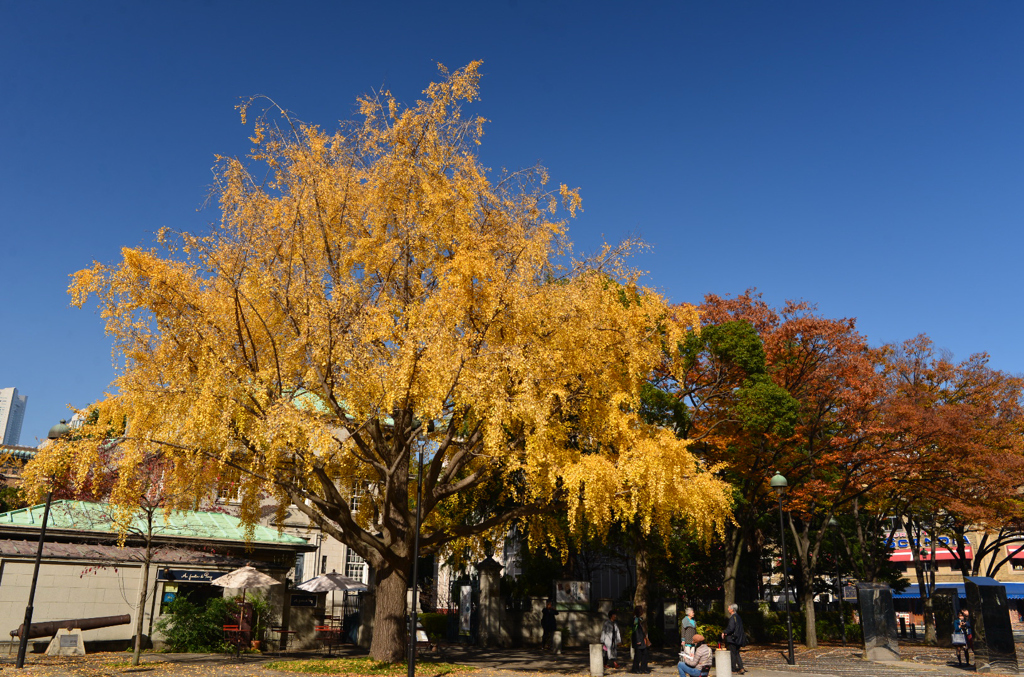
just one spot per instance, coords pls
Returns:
(355, 566)
(323, 564)
(300, 567)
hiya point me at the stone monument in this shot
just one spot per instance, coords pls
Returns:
(67, 643)
(946, 604)
(490, 602)
(994, 650)
(878, 622)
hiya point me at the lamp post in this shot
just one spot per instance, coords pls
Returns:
(56, 432)
(779, 485)
(413, 617)
(839, 577)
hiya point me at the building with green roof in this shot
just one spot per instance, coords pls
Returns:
(86, 573)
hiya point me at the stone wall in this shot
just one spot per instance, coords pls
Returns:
(579, 628)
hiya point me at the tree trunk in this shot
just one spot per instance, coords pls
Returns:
(929, 622)
(734, 541)
(140, 608)
(806, 559)
(810, 631)
(389, 643)
(642, 577)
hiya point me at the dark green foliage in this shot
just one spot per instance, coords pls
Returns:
(767, 408)
(735, 343)
(770, 626)
(658, 407)
(261, 614)
(540, 570)
(435, 625)
(11, 498)
(188, 628)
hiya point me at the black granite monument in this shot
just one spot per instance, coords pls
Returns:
(946, 606)
(994, 650)
(878, 622)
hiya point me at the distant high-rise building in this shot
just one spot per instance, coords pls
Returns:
(12, 413)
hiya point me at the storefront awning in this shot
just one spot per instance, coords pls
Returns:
(1013, 590)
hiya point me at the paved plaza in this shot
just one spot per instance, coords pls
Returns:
(826, 661)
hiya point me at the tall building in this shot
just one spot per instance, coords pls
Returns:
(12, 413)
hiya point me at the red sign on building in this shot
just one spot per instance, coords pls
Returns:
(902, 553)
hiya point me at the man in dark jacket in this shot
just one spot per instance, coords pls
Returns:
(547, 624)
(735, 638)
(640, 642)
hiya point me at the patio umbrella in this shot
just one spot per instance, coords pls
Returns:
(244, 578)
(332, 581)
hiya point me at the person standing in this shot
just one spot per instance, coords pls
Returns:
(694, 662)
(641, 642)
(547, 625)
(963, 627)
(735, 638)
(611, 637)
(689, 626)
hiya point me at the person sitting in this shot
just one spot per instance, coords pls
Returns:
(696, 662)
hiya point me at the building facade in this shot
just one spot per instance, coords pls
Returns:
(12, 413)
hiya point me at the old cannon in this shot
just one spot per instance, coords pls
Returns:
(50, 628)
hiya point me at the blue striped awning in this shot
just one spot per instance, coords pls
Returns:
(1013, 590)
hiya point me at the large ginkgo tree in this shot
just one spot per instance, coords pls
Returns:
(374, 292)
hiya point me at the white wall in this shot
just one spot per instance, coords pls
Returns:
(66, 591)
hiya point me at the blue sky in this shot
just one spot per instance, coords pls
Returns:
(866, 156)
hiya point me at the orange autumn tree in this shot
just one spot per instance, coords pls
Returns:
(812, 414)
(956, 430)
(364, 285)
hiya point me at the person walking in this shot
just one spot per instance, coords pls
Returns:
(735, 638)
(688, 626)
(547, 625)
(962, 637)
(641, 642)
(611, 637)
(694, 658)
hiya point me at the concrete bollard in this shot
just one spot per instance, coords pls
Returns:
(723, 663)
(596, 660)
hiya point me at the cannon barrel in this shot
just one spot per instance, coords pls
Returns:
(50, 628)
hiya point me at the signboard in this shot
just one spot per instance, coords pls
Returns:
(572, 595)
(69, 640)
(901, 548)
(849, 593)
(1015, 551)
(304, 600)
(465, 610)
(187, 575)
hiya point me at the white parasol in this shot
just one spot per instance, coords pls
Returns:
(244, 578)
(330, 582)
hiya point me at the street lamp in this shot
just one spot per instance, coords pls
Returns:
(414, 617)
(779, 485)
(56, 432)
(832, 522)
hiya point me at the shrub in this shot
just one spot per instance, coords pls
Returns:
(187, 628)
(435, 625)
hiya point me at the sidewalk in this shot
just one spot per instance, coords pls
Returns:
(760, 662)
(828, 661)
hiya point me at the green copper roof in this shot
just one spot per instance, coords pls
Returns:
(98, 517)
(20, 453)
